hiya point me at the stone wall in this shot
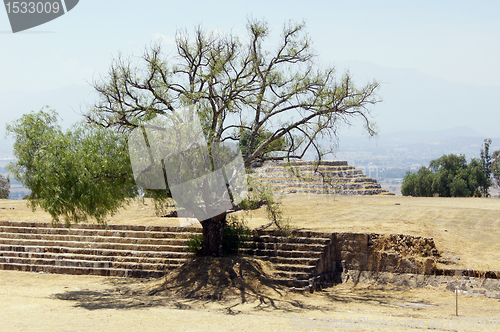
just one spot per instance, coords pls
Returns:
(398, 259)
(386, 253)
(325, 259)
(379, 253)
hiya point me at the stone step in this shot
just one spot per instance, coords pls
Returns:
(284, 246)
(334, 175)
(96, 251)
(304, 169)
(281, 253)
(87, 264)
(352, 184)
(329, 177)
(292, 260)
(302, 163)
(338, 192)
(140, 251)
(111, 227)
(292, 275)
(373, 186)
(82, 270)
(292, 283)
(94, 245)
(295, 234)
(297, 240)
(277, 185)
(294, 268)
(94, 232)
(93, 239)
(83, 257)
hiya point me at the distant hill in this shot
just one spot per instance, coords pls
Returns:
(410, 149)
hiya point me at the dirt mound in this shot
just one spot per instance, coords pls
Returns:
(209, 278)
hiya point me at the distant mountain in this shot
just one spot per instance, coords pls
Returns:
(411, 149)
(414, 136)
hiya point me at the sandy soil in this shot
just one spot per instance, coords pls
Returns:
(41, 302)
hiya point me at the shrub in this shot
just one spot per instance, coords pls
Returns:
(194, 243)
(236, 233)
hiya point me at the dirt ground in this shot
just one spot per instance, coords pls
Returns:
(44, 302)
(464, 228)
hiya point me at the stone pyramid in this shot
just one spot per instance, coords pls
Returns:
(327, 177)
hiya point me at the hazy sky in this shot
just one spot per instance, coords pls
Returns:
(458, 41)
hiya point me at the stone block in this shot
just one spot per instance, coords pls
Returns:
(360, 237)
(346, 256)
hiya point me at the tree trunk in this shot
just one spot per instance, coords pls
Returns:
(213, 229)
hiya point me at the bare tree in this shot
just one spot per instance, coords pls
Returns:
(269, 95)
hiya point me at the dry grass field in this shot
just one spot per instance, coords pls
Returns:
(465, 228)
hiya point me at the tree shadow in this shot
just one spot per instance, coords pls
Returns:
(121, 297)
(393, 297)
(228, 282)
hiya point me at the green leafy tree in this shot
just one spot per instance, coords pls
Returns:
(408, 184)
(478, 181)
(418, 184)
(4, 187)
(447, 176)
(445, 169)
(83, 172)
(278, 100)
(456, 178)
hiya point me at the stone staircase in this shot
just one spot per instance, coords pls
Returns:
(300, 261)
(329, 177)
(305, 261)
(147, 251)
(91, 249)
